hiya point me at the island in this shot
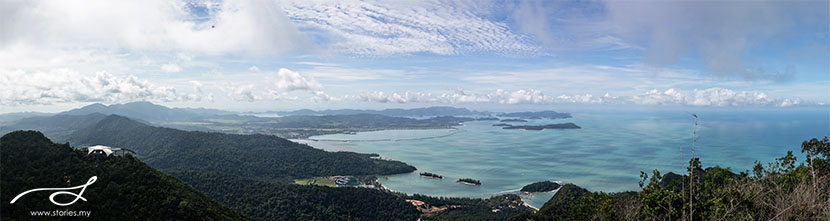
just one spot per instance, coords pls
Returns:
(543, 186)
(432, 175)
(486, 118)
(537, 115)
(513, 120)
(502, 125)
(542, 127)
(469, 181)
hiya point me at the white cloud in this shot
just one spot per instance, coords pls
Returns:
(719, 97)
(277, 88)
(154, 25)
(253, 68)
(289, 80)
(710, 97)
(197, 87)
(184, 57)
(371, 28)
(243, 93)
(67, 86)
(787, 102)
(172, 68)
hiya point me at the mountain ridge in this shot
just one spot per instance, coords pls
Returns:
(30, 160)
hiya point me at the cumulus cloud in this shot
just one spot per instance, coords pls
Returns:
(712, 97)
(197, 87)
(172, 68)
(719, 97)
(66, 86)
(289, 80)
(278, 87)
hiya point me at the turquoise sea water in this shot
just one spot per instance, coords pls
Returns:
(606, 155)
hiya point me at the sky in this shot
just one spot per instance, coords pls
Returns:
(486, 55)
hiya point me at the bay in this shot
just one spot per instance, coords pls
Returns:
(607, 154)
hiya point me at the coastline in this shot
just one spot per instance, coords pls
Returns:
(453, 131)
(517, 193)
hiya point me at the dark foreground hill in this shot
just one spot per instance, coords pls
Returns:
(256, 156)
(125, 187)
(283, 201)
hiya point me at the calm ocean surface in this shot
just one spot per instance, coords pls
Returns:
(607, 154)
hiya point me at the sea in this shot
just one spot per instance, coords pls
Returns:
(607, 154)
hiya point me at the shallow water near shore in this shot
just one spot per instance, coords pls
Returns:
(607, 154)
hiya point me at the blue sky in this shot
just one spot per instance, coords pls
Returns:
(279, 55)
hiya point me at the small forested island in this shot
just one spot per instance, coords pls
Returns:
(502, 125)
(543, 186)
(542, 127)
(469, 181)
(486, 118)
(432, 175)
(513, 120)
(537, 115)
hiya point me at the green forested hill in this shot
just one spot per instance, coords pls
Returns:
(281, 201)
(257, 156)
(125, 187)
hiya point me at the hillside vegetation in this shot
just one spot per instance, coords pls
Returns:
(125, 187)
(786, 189)
(257, 156)
(284, 201)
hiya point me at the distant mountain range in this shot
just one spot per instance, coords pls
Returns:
(57, 127)
(147, 111)
(292, 124)
(395, 112)
(10, 117)
(154, 113)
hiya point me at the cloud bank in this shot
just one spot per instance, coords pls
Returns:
(710, 97)
(66, 86)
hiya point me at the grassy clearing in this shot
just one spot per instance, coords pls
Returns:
(320, 181)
